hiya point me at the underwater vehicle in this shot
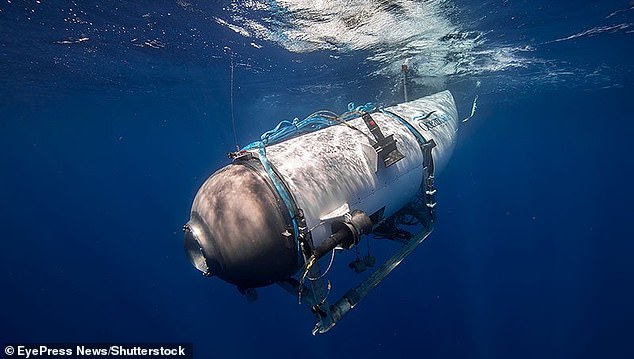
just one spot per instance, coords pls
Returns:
(311, 187)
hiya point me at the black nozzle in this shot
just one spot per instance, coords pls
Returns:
(346, 234)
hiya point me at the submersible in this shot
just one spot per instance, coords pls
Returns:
(312, 186)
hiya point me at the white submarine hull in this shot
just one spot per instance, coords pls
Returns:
(330, 168)
(242, 227)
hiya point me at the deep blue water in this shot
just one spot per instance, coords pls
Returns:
(113, 114)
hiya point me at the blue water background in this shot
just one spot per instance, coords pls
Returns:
(102, 152)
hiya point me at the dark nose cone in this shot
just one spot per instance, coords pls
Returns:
(239, 229)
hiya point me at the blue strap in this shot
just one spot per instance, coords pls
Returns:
(368, 107)
(289, 129)
(283, 193)
(322, 119)
(419, 137)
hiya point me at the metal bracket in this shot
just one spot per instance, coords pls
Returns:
(334, 313)
(385, 147)
(428, 182)
(240, 155)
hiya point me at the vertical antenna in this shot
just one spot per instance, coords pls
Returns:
(233, 119)
(404, 70)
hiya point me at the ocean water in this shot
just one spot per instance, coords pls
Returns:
(112, 114)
